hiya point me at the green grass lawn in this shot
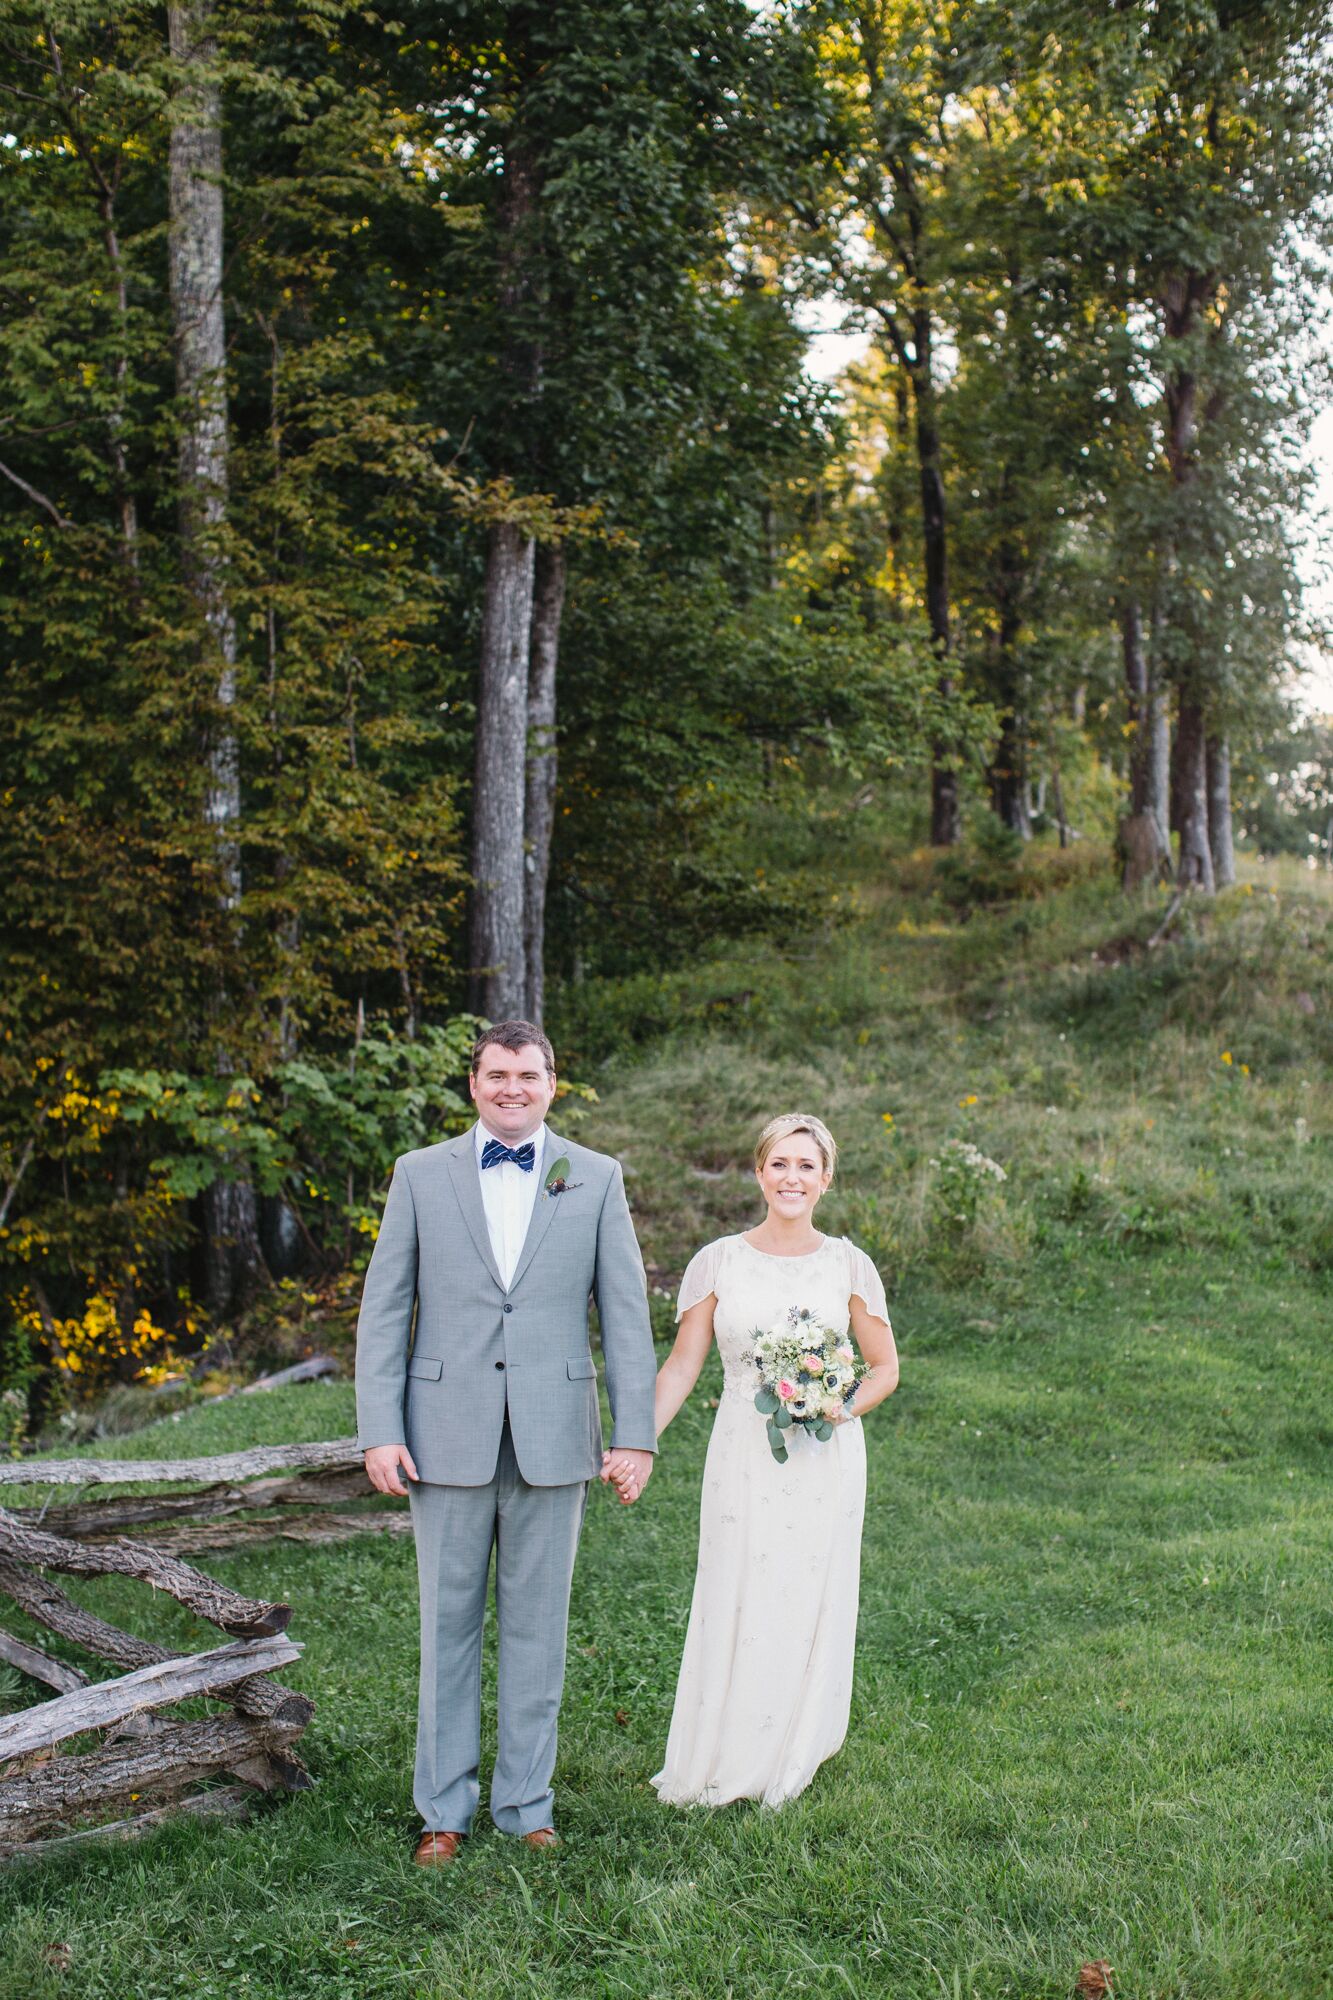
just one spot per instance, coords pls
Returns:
(1092, 1716)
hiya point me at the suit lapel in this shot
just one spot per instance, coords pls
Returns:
(465, 1174)
(543, 1208)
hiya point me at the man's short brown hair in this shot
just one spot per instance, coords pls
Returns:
(513, 1036)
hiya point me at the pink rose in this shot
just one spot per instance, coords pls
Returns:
(786, 1390)
(812, 1364)
(846, 1354)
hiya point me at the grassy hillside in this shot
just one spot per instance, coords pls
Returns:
(1091, 1710)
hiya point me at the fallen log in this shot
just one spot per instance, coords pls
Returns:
(313, 1370)
(86, 1518)
(169, 1761)
(242, 1617)
(47, 1604)
(103, 1704)
(39, 1666)
(260, 1458)
(223, 1802)
(198, 1537)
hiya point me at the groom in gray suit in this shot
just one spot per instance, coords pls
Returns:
(493, 1244)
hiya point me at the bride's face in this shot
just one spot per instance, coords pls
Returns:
(793, 1178)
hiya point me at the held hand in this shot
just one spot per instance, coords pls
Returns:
(382, 1463)
(628, 1471)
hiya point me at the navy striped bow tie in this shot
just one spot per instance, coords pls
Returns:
(495, 1151)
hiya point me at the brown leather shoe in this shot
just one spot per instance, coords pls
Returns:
(541, 1836)
(433, 1849)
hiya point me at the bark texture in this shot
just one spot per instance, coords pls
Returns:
(1195, 866)
(234, 1265)
(1008, 772)
(1218, 755)
(222, 1802)
(1145, 838)
(945, 804)
(499, 782)
(249, 1464)
(93, 1518)
(242, 1617)
(39, 1666)
(48, 1604)
(195, 250)
(106, 1703)
(548, 604)
(166, 1762)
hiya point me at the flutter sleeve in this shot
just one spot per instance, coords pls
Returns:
(700, 1276)
(864, 1282)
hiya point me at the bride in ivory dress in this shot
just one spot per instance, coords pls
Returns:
(766, 1679)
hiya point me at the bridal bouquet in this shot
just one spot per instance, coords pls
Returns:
(806, 1373)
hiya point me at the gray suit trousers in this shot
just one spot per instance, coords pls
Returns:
(534, 1531)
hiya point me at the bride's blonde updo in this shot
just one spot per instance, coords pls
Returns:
(785, 1126)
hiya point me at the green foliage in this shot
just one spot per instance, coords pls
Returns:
(323, 1135)
(93, 1282)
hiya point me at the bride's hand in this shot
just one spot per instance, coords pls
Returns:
(628, 1472)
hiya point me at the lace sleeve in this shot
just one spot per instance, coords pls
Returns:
(700, 1277)
(865, 1283)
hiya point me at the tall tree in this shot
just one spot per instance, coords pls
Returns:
(896, 73)
(195, 246)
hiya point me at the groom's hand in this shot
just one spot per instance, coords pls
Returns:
(628, 1471)
(382, 1463)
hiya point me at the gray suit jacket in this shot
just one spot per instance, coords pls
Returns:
(479, 1347)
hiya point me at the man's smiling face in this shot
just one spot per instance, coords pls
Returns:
(512, 1090)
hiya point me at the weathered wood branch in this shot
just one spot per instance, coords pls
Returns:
(223, 1802)
(47, 1604)
(39, 1666)
(107, 1703)
(168, 1761)
(342, 1452)
(242, 1617)
(108, 1517)
(195, 1538)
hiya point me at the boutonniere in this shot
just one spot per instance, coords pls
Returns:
(556, 1182)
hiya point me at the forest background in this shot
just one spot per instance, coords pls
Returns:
(433, 585)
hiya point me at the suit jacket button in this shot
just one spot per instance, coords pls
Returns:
(499, 1364)
(506, 1307)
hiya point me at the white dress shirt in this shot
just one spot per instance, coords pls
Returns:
(508, 1196)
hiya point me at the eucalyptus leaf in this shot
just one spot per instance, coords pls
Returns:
(766, 1402)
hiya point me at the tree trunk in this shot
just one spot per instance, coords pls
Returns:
(1008, 777)
(945, 814)
(499, 979)
(1218, 761)
(1145, 840)
(195, 265)
(1195, 867)
(1007, 774)
(548, 603)
(234, 1263)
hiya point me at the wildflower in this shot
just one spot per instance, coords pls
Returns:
(887, 1117)
(964, 1102)
(1226, 1057)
